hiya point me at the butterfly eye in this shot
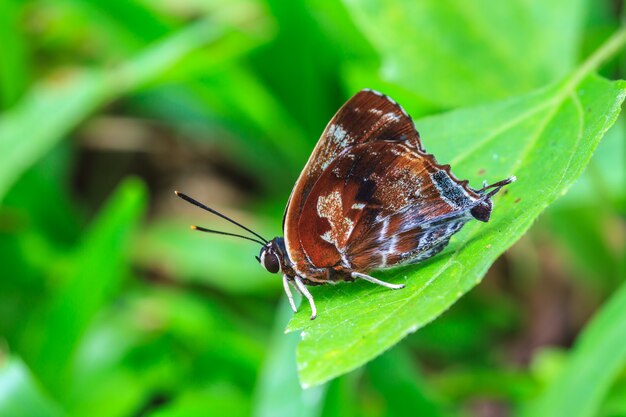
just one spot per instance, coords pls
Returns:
(270, 262)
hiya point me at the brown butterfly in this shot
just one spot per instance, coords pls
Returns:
(369, 198)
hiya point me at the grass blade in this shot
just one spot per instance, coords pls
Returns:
(597, 358)
(97, 271)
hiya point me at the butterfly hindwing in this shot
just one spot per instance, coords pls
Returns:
(367, 117)
(379, 204)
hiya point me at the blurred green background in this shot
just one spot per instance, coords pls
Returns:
(111, 306)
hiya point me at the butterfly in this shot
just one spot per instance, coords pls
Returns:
(369, 198)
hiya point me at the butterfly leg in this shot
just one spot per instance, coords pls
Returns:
(303, 290)
(377, 281)
(287, 287)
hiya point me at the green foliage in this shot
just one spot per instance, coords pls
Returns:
(445, 51)
(557, 127)
(598, 356)
(14, 74)
(26, 135)
(21, 397)
(405, 390)
(278, 393)
(110, 305)
(93, 276)
(170, 246)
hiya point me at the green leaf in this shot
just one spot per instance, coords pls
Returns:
(602, 183)
(404, 390)
(545, 138)
(14, 68)
(97, 271)
(345, 397)
(19, 394)
(26, 135)
(299, 73)
(596, 359)
(213, 401)
(278, 393)
(137, 21)
(158, 339)
(237, 96)
(588, 245)
(470, 381)
(461, 52)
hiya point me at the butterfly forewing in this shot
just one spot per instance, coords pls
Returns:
(367, 117)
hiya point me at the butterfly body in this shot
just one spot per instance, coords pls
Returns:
(369, 198)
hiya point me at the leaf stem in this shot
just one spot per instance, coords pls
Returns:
(606, 51)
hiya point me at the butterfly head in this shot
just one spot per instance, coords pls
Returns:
(272, 255)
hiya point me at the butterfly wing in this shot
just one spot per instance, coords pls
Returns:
(367, 117)
(379, 204)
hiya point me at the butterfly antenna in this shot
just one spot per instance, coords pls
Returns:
(217, 232)
(217, 213)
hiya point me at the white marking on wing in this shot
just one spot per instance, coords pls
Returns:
(337, 132)
(390, 250)
(391, 116)
(330, 207)
(392, 245)
(344, 259)
(383, 231)
(382, 237)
